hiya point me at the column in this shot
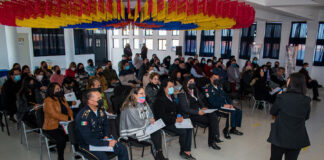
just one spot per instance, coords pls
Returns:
(217, 46)
(12, 46)
(69, 46)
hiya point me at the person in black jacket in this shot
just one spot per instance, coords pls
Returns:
(288, 133)
(152, 88)
(260, 87)
(193, 103)
(9, 91)
(166, 108)
(28, 97)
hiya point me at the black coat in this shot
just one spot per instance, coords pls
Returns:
(9, 95)
(190, 105)
(165, 109)
(289, 130)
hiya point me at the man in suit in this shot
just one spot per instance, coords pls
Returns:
(218, 99)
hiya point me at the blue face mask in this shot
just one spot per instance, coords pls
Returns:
(255, 61)
(307, 68)
(234, 65)
(17, 78)
(127, 68)
(170, 91)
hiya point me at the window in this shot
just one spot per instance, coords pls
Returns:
(207, 43)
(319, 50)
(125, 41)
(83, 41)
(175, 43)
(136, 43)
(162, 32)
(297, 38)
(99, 31)
(136, 31)
(247, 39)
(148, 32)
(162, 44)
(175, 33)
(190, 43)
(98, 43)
(48, 42)
(149, 44)
(226, 44)
(115, 43)
(126, 31)
(115, 32)
(272, 41)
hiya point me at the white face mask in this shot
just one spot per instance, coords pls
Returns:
(39, 77)
(209, 64)
(151, 71)
(73, 69)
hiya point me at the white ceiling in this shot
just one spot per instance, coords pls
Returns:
(291, 9)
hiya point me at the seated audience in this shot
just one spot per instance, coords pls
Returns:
(47, 72)
(255, 62)
(158, 68)
(174, 66)
(247, 77)
(41, 80)
(69, 85)
(110, 74)
(233, 74)
(91, 69)
(154, 56)
(192, 103)
(96, 84)
(16, 66)
(81, 76)
(57, 77)
(167, 62)
(127, 76)
(196, 71)
(311, 83)
(277, 79)
(260, 87)
(178, 80)
(25, 72)
(138, 61)
(9, 91)
(288, 133)
(99, 75)
(56, 109)
(70, 72)
(208, 68)
(146, 77)
(143, 69)
(166, 108)
(152, 88)
(135, 116)
(120, 64)
(28, 97)
(275, 67)
(218, 99)
(203, 63)
(220, 71)
(247, 63)
(183, 70)
(92, 128)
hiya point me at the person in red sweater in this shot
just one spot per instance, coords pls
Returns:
(71, 71)
(209, 68)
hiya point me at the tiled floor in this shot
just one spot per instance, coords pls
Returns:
(251, 146)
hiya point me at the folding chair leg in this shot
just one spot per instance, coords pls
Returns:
(143, 152)
(254, 105)
(130, 151)
(6, 122)
(47, 147)
(26, 138)
(40, 144)
(165, 144)
(195, 133)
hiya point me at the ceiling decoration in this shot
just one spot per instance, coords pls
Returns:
(152, 14)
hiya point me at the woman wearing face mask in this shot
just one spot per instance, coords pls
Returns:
(152, 88)
(57, 77)
(192, 103)
(203, 63)
(56, 109)
(209, 67)
(166, 108)
(46, 70)
(25, 72)
(135, 117)
(70, 72)
(127, 76)
(178, 80)
(99, 75)
(28, 97)
(41, 81)
(81, 76)
(146, 77)
(259, 84)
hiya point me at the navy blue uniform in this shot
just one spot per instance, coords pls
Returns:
(91, 128)
(217, 98)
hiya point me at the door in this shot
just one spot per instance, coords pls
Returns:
(100, 49)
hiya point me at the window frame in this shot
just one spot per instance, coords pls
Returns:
(319, 44)
(39, 46)
(298, 42)
(207, 41)
(162, 49)
(246, 54)
(228, 41)
(272, 41)
(192, 38)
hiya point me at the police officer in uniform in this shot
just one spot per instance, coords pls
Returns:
(218, 99)
(92, 128)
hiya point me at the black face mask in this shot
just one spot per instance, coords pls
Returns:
(216, 82)
(98, 89)
(100, 73)
(59, 94)
(81, 70)
(31, 86)
(58, 72)
(109, 67)
(276, 66)
(158, 63)
(192, 86)
(69, 87)
(91, 64)
(100, 103)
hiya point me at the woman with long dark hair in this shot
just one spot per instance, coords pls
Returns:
(135, 117)
(56, 109)
(166, 108)
(193, 104)
(288, 133)
(81, 76)
(28, 97)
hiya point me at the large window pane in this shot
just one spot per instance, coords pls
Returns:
(115, 43)
(149, 44)
(162, 44)
(162, 32)
(125, 41)
(136, 43)
(175, 43)
(272, 41)
(319, 50)
(83, 41)
(48, 42)
(148, 32)
(298, 38)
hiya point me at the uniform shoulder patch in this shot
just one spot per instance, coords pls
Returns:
(86, 113)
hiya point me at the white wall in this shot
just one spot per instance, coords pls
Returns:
(3, 49)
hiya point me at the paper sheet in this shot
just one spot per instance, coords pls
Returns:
(65, 126)
(186, 123)
(101, 148)
(70, 96)
(78, 102)
(109, 90)
(276, 90)
(157, 125)
(232, 109)
(111, 116)
(209, 110)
